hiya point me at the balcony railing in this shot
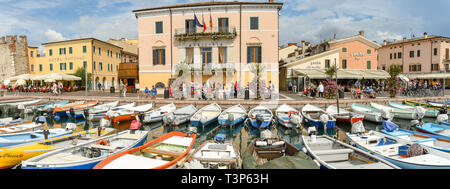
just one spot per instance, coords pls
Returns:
(213, 33)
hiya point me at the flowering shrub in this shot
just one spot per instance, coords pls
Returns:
(330, 88)
(394, 86)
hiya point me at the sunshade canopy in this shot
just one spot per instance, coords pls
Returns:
(58, 77)
(343, 74)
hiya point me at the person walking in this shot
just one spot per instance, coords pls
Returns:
(121, 88)
(294, 87)
(99, 85)
(320, 89)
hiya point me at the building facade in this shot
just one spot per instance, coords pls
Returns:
(13, 56)
(234, 36)
(99, 58)
(129, 67)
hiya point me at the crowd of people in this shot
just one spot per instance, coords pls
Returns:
(54, 88)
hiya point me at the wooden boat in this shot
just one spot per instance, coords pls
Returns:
(260, 117)
(20, 127)
(18, 153)
(428, 112)
(396, 151)
(61, 111)
(344, 115)
(23, 103)
(398, 113)
(214, 155)
(370, 114)
(25, 137)
(236, 113)
(269, 147)
(87, 154)
(206, 115)
(288, 116)
(5, 102)
(179, 116)
(127, 114)
(334, 154)
(162, 153)
(99, 115)
(435, 129)
(436, 104)
(312, 115)
(413, 103)
(156, 115)
(80, 113)
(431, 141)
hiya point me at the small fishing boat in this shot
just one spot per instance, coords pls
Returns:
(334, 154)
(315, 117)
(156, 115)
(400, 152)
(101, 114)
(23, 103)
(61, 111)
(269, 147)
(25, 137)
(83, 113)
(435, 129)
(127, 114)
(87, 154)
(20, 127)
(436, 104)
(206, 115)
(236, 114)
(214, 155)
(260, 117)
(398, 113)
(179, 116)
(10, 120)
(431, 141)
(344, 115)
(413, 103)
(288, 116)
(370, 114)
(18, 153)
(164, 152)
(428, 112)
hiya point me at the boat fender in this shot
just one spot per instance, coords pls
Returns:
(135, 125)
(279, 143)
(304, 150)
(261, 143)
(102, 142)
(71, 126)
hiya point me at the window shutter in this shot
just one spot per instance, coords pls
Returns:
(163, 56)
(154, 57)
(249, 54)
(258, 54)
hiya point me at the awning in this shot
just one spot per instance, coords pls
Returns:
(343, 74)
(427, 76)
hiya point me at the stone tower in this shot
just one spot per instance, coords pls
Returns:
(13, 56)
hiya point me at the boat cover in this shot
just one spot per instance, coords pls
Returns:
(358, 127)
(389, 126)
(420, 111)
(442, 117)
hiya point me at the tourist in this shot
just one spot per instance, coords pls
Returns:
(236, 88)
(154, 92)
(271, 88)
(313, 91)
(320, 88)
(146, 92)
(99, 85)
(121, 88)
(294, 86)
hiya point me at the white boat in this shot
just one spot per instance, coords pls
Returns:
(9, 120)
(236, 114)
(20, 127)
(25, 137)
(102, 108)
(344, 115)
(126, 114)
(334, 154)
(23, 103)
(398, 113)
(213, 155)
(206, 115)
(400, 152)
(260, 117)
(100, 115)
(370, 114)
(179, 116)
(156, 115)
(428, 112)
(314, 116)
(288, 116)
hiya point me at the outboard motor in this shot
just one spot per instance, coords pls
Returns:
(220, 138)
(71, 126)
(312, 132)
(443, 111)
(16, 116)
(191, 130)
(86, 113)
(72, 112)
(104, 122)
(141, 117)
(230, 118)
(387, 115)
(169, 118)
(259, 119)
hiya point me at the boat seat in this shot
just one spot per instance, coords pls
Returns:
(130, 136)
(333, 155)
(162, 152)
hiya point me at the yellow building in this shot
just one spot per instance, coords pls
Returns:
(102, 60)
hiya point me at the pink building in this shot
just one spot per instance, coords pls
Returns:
(235, 36)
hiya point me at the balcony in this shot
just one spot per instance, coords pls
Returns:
(214, 33)
(206, 69)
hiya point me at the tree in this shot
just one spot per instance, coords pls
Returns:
(330, 85)
(331, 71)
(80, 72)
(393, 83)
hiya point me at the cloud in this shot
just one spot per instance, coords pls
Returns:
(53, 36)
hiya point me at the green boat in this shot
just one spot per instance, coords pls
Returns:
(412, 103)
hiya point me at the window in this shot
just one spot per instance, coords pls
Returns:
(108, 68)
(411, 54)
(62, 51)
(100, 66)
(189, 55)
(418, 53)
(435, 51)
(419, 68)
(435, 67)
(327, 63)
(206, 54)
(254, 54)
(93, 49)
(391, 56)
(70, 65)
(84, 64)
(159, 57)
(40, 67)
(94, 65)
(222, 55)
(344, 49)
(369, 51)
(223, 25)
(32, 68)
(399, 55)
(254, 25)
(62, 66)
(51, 67)
(70, 50)
(84, 49)
(100, 51)
(369, 64)
(50, 52)
(384, 67)
(446, 67)
(159, 27)
(31, 53)
(447, 54)
(395, 55)
(190, 26)
(344, 64)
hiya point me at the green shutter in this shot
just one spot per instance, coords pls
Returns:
(163, 56)
(258, 55)
(155, 58)
(249, 54)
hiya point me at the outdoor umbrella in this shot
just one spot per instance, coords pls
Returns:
(23, 76)
(49, 80)
(6, 82)
(58, 77)
(20, 82)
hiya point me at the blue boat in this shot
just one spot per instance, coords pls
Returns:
(312, 115)
(87, 154)
(260, 117)
(397, 151)
(236, 113)
(442, 131)
(436, 104)
(206, 115)
(26, 137)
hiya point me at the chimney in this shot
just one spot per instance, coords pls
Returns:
(361, 33)
(384, 42)
(23, 39)
(270, 1)
(404, 38)
(425, 35)
(291, 44)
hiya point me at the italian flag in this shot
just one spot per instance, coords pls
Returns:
(204, 25)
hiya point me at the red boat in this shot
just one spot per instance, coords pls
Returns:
(344, 115)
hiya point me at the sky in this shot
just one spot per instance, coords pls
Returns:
(45, 21)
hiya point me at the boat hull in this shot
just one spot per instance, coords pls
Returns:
(197, 123)
(226, 122)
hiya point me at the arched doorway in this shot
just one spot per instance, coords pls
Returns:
(97, 80)
(104, 82)
(113, 82)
